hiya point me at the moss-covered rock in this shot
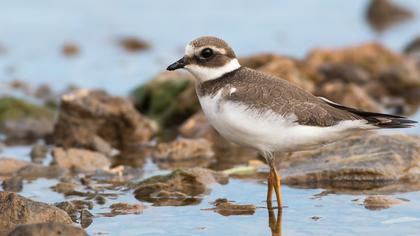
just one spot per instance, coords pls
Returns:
(23, 120)
(169, 98)
(12, 108)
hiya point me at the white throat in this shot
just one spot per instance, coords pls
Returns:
(208, 73)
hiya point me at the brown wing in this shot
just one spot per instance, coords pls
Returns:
(282, 97)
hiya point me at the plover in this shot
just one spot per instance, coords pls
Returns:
(265, 112)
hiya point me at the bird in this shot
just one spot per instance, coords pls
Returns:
(268, 113)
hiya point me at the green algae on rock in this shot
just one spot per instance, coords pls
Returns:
(169, 98)
(22, 120)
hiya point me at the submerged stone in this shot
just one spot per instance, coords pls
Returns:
(379, 202)
(123, 208)
(181, 187)
(228, 208)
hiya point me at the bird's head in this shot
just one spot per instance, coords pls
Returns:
(207, 58)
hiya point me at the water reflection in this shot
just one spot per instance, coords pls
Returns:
(275, 222)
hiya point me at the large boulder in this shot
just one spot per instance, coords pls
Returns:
(181, 187)
(169, 98)
(93, 119)
(17, 210)
(359, 162)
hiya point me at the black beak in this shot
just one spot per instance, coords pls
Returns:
(177, 65)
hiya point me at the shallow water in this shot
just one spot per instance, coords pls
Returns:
(34, 31)
(339, 214)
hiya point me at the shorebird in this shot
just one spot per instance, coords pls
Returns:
(268, 113)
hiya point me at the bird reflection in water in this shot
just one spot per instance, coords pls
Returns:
(275, 222)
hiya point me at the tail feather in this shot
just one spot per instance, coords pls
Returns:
(377, 119)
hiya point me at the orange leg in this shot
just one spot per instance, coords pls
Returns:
(277, 187)
(270, 189)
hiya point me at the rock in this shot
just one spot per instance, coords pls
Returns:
(70, 208)
(23, 122)
(169, 98)
(382, 14)
(198, 126)
(88, 119)
(9, 166)
(184, 153)
(227, 208)
(35, 171)
(70, 49)
(13, 184)
(75, 209)
(368, 161)
(86, 218)
(64, 187)
(17, 210)
(101, 200)
(379, 202)
(123, 208)
(79, 159)
(381, 73)
(38, 153)
(413, 50)
(351, 95)
(47, 229)
(286, 68)
(181, 187)
(132, 44)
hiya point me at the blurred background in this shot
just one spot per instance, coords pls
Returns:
(361, 53)
(34, 35)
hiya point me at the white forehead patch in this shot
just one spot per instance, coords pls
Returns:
(189, 50)
(208, 73)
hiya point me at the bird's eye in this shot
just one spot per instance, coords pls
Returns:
(206, 53)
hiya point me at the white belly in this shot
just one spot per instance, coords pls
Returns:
(267, 131)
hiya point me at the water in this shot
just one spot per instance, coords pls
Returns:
(33, 32)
